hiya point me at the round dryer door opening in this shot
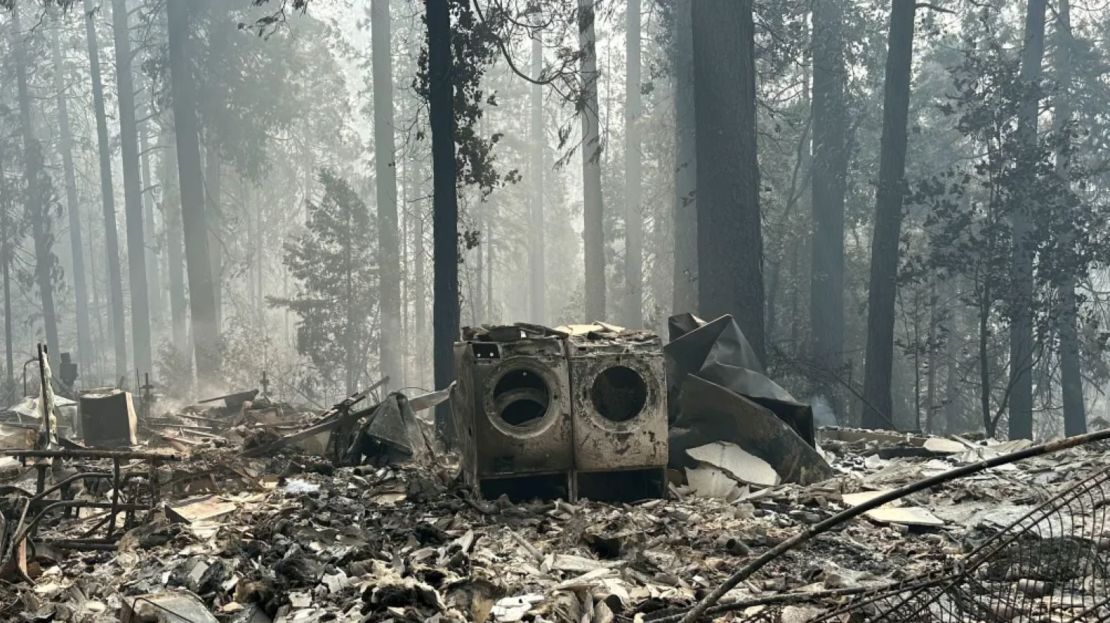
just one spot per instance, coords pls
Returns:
(520, 399)
(619, 393)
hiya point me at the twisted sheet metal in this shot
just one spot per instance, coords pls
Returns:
(1052, 564)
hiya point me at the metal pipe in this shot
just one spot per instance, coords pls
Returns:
(67, 453)
(67, 481)
(22, 534)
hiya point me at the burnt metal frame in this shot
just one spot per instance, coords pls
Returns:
(957, 593)
(754, 565)
(41, 505)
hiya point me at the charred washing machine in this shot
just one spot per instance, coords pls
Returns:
(512, 411)
(619, 408)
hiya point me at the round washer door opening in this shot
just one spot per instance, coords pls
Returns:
(521, 397)
(619, 393)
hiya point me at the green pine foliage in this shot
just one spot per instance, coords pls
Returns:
(333, 261)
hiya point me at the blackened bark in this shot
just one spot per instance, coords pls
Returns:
(1071, 378)
(475, 294)
(1021, 326)
(445, 207)
(592, 209)
(953, 411)
(536, 270)
(107, 193)
(389, 260)
(685, 278)
(202, 303)
(830, 171)
(877, 404)
(80, 286)
(730, 240)
(132, 190)
(633, 210)
(38, 208)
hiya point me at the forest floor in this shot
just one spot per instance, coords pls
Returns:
(289, 537)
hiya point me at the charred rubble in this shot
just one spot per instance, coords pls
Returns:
(596, 475)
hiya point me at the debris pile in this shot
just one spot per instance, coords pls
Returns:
(291, 537)
(242, 510)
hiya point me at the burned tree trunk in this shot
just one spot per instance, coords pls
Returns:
(150, 234)
(202, 302)
(111, 237)
(37, 191)
(932, 360)
(350, 316)
(213, 217)
(132, 191)
(593, 233)
(1071, 378)
(536, 256)
(830, 172)
(385, 178)
(877, 403)
(445, 207)
(7, 236)
(80, 287)
(730, 241)
(633, 210)
(420, 296)
(1021, 326)
(685, 278)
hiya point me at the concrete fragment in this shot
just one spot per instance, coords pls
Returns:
(943, 446)
(168, 607)
(905, 515)
(862, 497)
(799, 614)
(199, 509)
(981, 453)
(893, 512)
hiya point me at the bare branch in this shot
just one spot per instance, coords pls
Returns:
(933, 7)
